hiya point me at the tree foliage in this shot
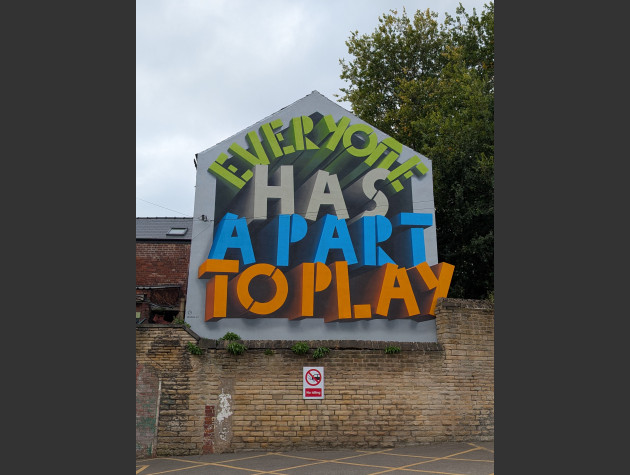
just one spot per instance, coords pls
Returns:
(431, 87)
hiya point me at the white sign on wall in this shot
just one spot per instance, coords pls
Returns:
(313, 382)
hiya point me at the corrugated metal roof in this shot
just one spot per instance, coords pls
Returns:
(157, 228)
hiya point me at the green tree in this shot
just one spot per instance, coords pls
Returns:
(431, 87)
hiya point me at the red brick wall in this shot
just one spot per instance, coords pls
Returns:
(159, 263)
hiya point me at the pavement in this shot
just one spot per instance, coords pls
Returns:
(452, 458)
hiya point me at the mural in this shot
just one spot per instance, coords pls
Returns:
(315, 218)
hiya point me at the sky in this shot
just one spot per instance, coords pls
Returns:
(207, 69)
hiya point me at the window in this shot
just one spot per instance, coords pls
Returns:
(177, 232)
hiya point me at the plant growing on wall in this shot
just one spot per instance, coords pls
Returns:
(236, 348)
(230, 336)
(390, 350)
(181, 321)
(193, 349)
(320, 352)
(300, 348)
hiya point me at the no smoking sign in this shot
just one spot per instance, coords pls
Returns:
(313, 382)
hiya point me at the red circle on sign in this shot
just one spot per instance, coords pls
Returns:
(314, 375)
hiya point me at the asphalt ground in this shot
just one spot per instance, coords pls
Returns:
(453, 458)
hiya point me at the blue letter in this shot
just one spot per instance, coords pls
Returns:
(274, 239)
(324, 230)
(367, 232)
(232, 233)
(409, 244)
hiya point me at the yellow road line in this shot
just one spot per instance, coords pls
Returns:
(315, 461)
(223, 461)
(223, 464)
(176, 470)
(434, 472)
(471, 460)
(210, 464)
(288, 455)
(142, 467)
(426, 461)
(479, 447)
(321, 461)
(342, 462)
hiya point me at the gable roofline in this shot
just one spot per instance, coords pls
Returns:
(156, 229)
(313, 95)
(313, 100)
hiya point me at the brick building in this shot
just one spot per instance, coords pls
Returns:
(162, 257)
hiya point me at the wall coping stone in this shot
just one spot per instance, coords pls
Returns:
(149, 326)
(464, 303)
(206, 343)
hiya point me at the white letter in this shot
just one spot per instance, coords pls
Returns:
(312, 195)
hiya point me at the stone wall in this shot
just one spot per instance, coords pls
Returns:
(429, 392)
(147, 394)
(162, 349)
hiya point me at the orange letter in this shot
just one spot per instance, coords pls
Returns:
(276, 297)
(306, 279)
(216, 288)
(388, 292)
(338, 303)
(431, 284)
